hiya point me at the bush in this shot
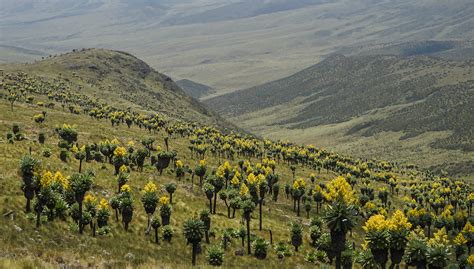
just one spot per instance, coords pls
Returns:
(260, 247)
(215, 255)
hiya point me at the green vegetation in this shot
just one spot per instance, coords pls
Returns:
(70, 223)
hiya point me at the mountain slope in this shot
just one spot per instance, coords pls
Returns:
(121, 79)
(194, 89)
(366, 96)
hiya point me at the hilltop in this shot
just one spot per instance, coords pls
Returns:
(343, 101)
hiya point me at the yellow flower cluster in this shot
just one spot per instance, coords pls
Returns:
(59, 178)
(158, 148)
(130, 144)
(268, 162)
(202, 162)
(299, 184)
(243, 190)
(90, 199)
(416, 212)
(339, 189)
(179, 164)
(376, 223)
(150, 187)
(123, 169)
(115, 141)
(125, 188)
(103, 204)
(164, 200)
(235, 181)
(460, 240)
(468, 228)
(398, 222)
(120, 152)
(47, 179)
(470, 260)
(440, 238)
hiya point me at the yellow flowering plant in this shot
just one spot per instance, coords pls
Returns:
(339, 189)
(164, 200)
(125, 188)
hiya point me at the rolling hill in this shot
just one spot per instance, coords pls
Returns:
(121, 79)
(349, 102)
(228, 44)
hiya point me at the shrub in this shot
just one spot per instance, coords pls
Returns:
(215, 255)
(260, 247)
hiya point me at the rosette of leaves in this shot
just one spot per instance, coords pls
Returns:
(314, 234)
(126, 209)
(282, 250)
(215, 255)
(200, 171)
(193, 230)
(44, 197)
(80, 184)
(168, 233)
(155, 224)
(339, 219)
(165, 213)
(218, 183)
(115, 205)
(139, 157)
(315, 256)
(260, 248)
(80, 155)
(102, 217)
(170, 188)
(296, 235)
(204, 216)
(242, 233)
(248, 207)
(366, 259)
(28, 166)
(209, 191)
(275, 191)
(163, 159)
(416, 250)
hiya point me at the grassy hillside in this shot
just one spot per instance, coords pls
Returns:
(365, 96)
(230, 45)
(122, 79)
(85, 136)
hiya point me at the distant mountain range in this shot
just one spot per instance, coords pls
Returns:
(228, 44)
